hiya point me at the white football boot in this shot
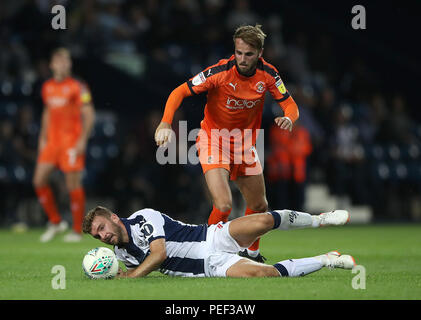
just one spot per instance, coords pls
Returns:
(334, 259)
(72, 237)
(333, 218)
(53, 230)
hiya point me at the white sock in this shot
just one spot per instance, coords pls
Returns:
(291, 219)
(316, 221)
(298, 267)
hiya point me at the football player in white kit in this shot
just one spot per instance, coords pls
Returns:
(149, 240)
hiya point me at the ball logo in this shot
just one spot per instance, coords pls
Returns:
(260, 87)
(101, 265)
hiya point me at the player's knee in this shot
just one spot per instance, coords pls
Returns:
(263, 222)
(37, 182)
(259, 271)
(73, 182)
(261, 206)
(223, 206)
(71, 186)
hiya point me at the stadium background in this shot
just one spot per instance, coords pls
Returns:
(356, 90)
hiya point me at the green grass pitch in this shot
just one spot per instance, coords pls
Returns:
(390, 254)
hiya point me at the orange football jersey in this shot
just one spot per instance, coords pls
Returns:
(235, 101)
(64, 100)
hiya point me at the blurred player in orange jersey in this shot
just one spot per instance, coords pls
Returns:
(236, 90)
(67, 121)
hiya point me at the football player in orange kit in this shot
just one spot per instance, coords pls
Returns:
(67, 120)
(236, 90)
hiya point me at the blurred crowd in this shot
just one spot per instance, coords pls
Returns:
(359, 139)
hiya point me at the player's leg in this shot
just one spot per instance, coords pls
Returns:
(72, 166)
(217, 180)
(216, 169)
(291, 219)
(290, 267)
(246, 268)
(77, 204)
(239, 233)
(46, 199)
(253, 190)
(245, 230)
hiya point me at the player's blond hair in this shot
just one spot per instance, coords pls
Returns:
(253, 36)
(90, 216)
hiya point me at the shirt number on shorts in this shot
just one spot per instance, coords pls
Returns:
(72, 156)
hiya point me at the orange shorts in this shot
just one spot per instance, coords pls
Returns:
(214, 154)
(64, 157)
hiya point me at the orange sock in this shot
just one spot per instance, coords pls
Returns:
(255, 244)
(218, 216)
(46, 199)
(77, 205)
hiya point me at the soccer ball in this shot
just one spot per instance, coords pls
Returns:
(100, 263)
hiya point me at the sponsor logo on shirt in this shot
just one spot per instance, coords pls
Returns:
(56, 102)
(235, 104)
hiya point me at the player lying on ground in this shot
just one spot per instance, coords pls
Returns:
(149, 240)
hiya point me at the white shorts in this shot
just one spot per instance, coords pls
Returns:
(222, 250)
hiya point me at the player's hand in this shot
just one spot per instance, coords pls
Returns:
(80, 147)
(41, 144)
(121, 274)
(163, 134)
(284, 123)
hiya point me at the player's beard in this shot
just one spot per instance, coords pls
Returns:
(248, 71)
(117, 233)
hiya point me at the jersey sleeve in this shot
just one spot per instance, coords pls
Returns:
(205, 80)
(85, 93)
(174, 101)
(276, 86)
(82, 94)
(281, 95)
(153, 228)
(44, 93)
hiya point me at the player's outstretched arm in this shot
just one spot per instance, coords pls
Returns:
(162, 134)
(151, 263)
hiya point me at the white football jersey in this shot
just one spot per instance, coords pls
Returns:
(185, 243)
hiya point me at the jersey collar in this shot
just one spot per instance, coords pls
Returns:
(126, 224)
(258, 66)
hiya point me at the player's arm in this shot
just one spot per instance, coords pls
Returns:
(291, 114)
(163, 131)
(88, 120)
(158, 254)
(42, 139)
(281, 95)
(84, 98)
(204, 81)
